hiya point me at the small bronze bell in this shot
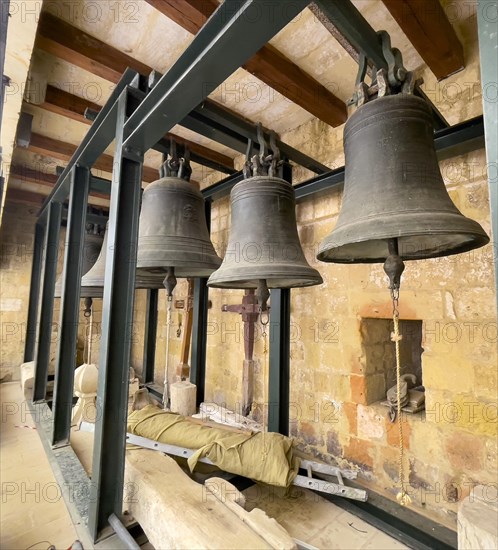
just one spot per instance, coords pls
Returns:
(92, 283)
(173, 232)
(264, 243)
(393, 189)
(91, 249)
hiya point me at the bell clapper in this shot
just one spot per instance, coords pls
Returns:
(169, 284)
(394, 267)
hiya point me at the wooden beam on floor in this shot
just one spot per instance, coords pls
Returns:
(427, 27)
(62, 40)
(72, 106)
(63, 150)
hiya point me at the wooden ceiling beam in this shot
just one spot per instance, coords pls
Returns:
(19, 195)
(71, 106)
(268, 64)
(62, 150)
(427, 27)
(30, 175)
(62, 40)
(67, 42)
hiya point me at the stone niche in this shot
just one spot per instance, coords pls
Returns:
(378, 354)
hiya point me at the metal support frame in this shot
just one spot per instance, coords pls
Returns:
(44, 332)
(487, 24)
(178, 97)
(199, 326)
(279, 369)
(69, 305)
(106, 496)
(150, 336)
(34, 294)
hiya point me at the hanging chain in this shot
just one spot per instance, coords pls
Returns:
(265, 163)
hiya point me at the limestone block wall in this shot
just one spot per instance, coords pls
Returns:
(16, 241)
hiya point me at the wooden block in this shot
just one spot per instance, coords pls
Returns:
(183, 398)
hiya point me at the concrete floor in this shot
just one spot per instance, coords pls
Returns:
(33, 513)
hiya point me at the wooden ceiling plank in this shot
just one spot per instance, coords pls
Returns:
(79, 48)
(269, 65)
(427, 27)
(71, 106)
(63, 40)
(62, 150)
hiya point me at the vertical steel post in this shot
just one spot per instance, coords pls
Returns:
(70, 302)
(487, 24)
(106, 495)
(150, 336)
(34, 294)
(44, 332)
(279, 363)
(199, 327)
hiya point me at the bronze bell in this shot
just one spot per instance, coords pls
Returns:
(264, 243)
(91, 249)
(393, 189)
(92, 283)
(173, 232)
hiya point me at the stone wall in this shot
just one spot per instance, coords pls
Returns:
(16, 241)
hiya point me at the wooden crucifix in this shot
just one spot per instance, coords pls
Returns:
(249, 310)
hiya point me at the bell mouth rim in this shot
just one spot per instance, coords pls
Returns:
(478, 241)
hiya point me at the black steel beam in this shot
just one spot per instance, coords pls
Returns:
(348, 20)
(34, 294)
(207, 62)
(150, 336)
(106, 496)
(216, 116)
(42, 355)
(70, 306)
(279, 362)
(96, 140)
(199, 327)
(223, 187)
(449, 142)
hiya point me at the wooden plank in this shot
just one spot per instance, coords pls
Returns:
(269, 65)
(66, 104)
(72, 106)
(29, 175)
(176, 512)
(63, 150)
(425, 24)
(19, 195)
(63, 40)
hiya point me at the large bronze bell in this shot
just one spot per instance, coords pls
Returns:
(91, 249)
(264, 243)
(393, 189)
(92, 283)
(173, 231)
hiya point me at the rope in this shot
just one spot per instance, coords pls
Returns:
(264, 423)
(166, 362)
(402, 497)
